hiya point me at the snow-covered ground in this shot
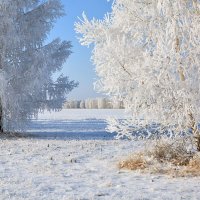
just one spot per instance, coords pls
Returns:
(78, 160)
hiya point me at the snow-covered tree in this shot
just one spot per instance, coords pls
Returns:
(82, 104)
(101, 103)
(27, 61)
(94, 103)
(88, 104)
(147, 54)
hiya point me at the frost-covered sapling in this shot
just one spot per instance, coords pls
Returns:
(147, 54)
(27, 61)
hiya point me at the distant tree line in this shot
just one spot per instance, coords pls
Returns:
(98, 103)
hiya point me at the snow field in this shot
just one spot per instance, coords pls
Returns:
(80, 163)
(68, 170)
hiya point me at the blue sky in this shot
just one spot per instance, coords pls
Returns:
(78, 66)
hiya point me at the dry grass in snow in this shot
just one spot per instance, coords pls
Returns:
(170, 157)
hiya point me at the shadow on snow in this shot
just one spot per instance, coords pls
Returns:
(90, 129)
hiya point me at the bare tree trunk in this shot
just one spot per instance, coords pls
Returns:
(1, 118)
(196, 134)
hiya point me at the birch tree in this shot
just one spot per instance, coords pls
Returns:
(27, 61)
(147, 54)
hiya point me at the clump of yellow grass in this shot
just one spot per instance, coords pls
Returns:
(169, 157)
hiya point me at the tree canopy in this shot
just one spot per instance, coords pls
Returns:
(147, 54)
(27, 61)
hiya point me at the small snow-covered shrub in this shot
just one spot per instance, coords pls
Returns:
(172, 151)
(126, 129)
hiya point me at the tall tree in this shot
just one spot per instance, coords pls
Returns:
(27, 62)
(147, 53)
